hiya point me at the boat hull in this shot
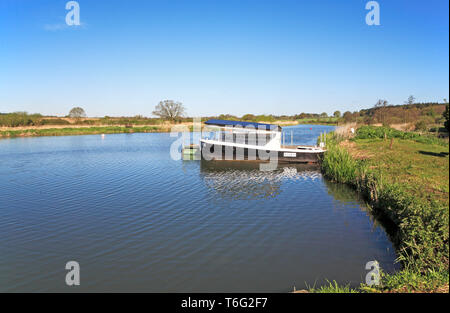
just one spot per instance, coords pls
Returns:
(224, 152)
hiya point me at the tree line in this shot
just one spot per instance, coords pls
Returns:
(382, 112)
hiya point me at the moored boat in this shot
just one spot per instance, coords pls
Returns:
(237, 140)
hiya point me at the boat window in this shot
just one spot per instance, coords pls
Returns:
(263, 139)
(242, 137)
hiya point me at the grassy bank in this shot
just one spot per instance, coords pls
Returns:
(404, 178)
(70, 131)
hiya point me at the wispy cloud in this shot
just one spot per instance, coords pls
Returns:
(55, 27)
(63, 26)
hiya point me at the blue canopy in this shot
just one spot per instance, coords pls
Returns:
(223, 123)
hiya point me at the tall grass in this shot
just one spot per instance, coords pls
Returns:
(333, 287)
(339, 166)
(345, 131)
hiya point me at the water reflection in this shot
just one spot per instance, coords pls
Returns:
(235, 180)
(341, 192)
(245, 181)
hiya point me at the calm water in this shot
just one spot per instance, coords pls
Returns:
(136, 220)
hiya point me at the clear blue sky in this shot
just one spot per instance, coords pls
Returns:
(227, 56)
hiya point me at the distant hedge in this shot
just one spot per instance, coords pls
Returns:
(372, 132)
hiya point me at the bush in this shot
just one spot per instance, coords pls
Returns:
(421, 126)
(446, 117)
(54, 121)
(88, 122)
(20, 119)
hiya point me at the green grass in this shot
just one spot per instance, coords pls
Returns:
(406, 183)
(333, 287)
(415, 281)
(422, 169)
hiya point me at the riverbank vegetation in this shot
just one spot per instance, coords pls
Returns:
(405, 178)
(70, 131)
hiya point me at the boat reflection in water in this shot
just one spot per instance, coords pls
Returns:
(245, 180)
(240, 180)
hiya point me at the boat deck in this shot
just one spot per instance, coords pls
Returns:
(295, 146)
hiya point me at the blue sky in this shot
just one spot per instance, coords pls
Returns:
(237, 57)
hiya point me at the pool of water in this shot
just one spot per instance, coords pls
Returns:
(137, 220)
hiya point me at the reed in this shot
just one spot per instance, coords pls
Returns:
(345, 131)
(333, 287)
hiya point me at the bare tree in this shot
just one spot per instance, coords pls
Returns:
(410, 100)
(381, 105)
(169, 110)
(77, 113)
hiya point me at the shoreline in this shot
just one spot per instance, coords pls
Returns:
(78, 130)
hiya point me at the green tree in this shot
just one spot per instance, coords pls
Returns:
(446, 114)
(249, 117)
(77, 113)
(337, 114)
(347, 116)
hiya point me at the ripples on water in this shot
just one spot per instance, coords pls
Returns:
(136, 220)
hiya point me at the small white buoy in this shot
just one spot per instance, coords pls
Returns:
(103, 136)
